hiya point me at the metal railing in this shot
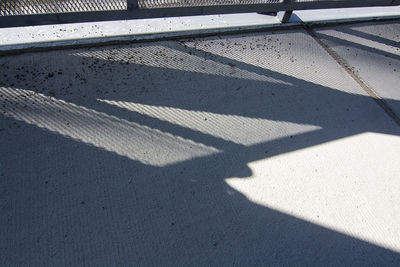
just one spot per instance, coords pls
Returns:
(39, 12)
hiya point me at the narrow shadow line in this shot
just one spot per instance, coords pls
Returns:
(339, 41)
(368, 36)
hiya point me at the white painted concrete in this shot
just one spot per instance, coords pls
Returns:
(340, 14)
(253, 149)
(83, 33)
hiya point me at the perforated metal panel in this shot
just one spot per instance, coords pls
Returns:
(31, 7)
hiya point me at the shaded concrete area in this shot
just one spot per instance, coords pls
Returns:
(248, 149)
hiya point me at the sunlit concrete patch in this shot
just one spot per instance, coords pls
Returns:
(169, 58)
(137, 142)
(98, 31)
(237, 129)
(345, 14)
(349, 185)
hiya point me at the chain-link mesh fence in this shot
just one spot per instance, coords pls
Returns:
(38, 7)
(31, 7)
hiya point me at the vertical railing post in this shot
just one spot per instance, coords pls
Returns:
(133, 4)
(284, 16)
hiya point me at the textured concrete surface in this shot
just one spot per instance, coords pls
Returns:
(253, 149)
(373, 51)
(95, 32)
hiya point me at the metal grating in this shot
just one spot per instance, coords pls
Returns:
(34, 7)
(194, 3)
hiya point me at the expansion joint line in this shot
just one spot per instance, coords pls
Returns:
(381, 102)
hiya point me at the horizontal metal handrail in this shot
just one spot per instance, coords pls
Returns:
(10, 16)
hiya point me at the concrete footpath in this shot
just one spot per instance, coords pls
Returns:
(269, 148)
(106, 32)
